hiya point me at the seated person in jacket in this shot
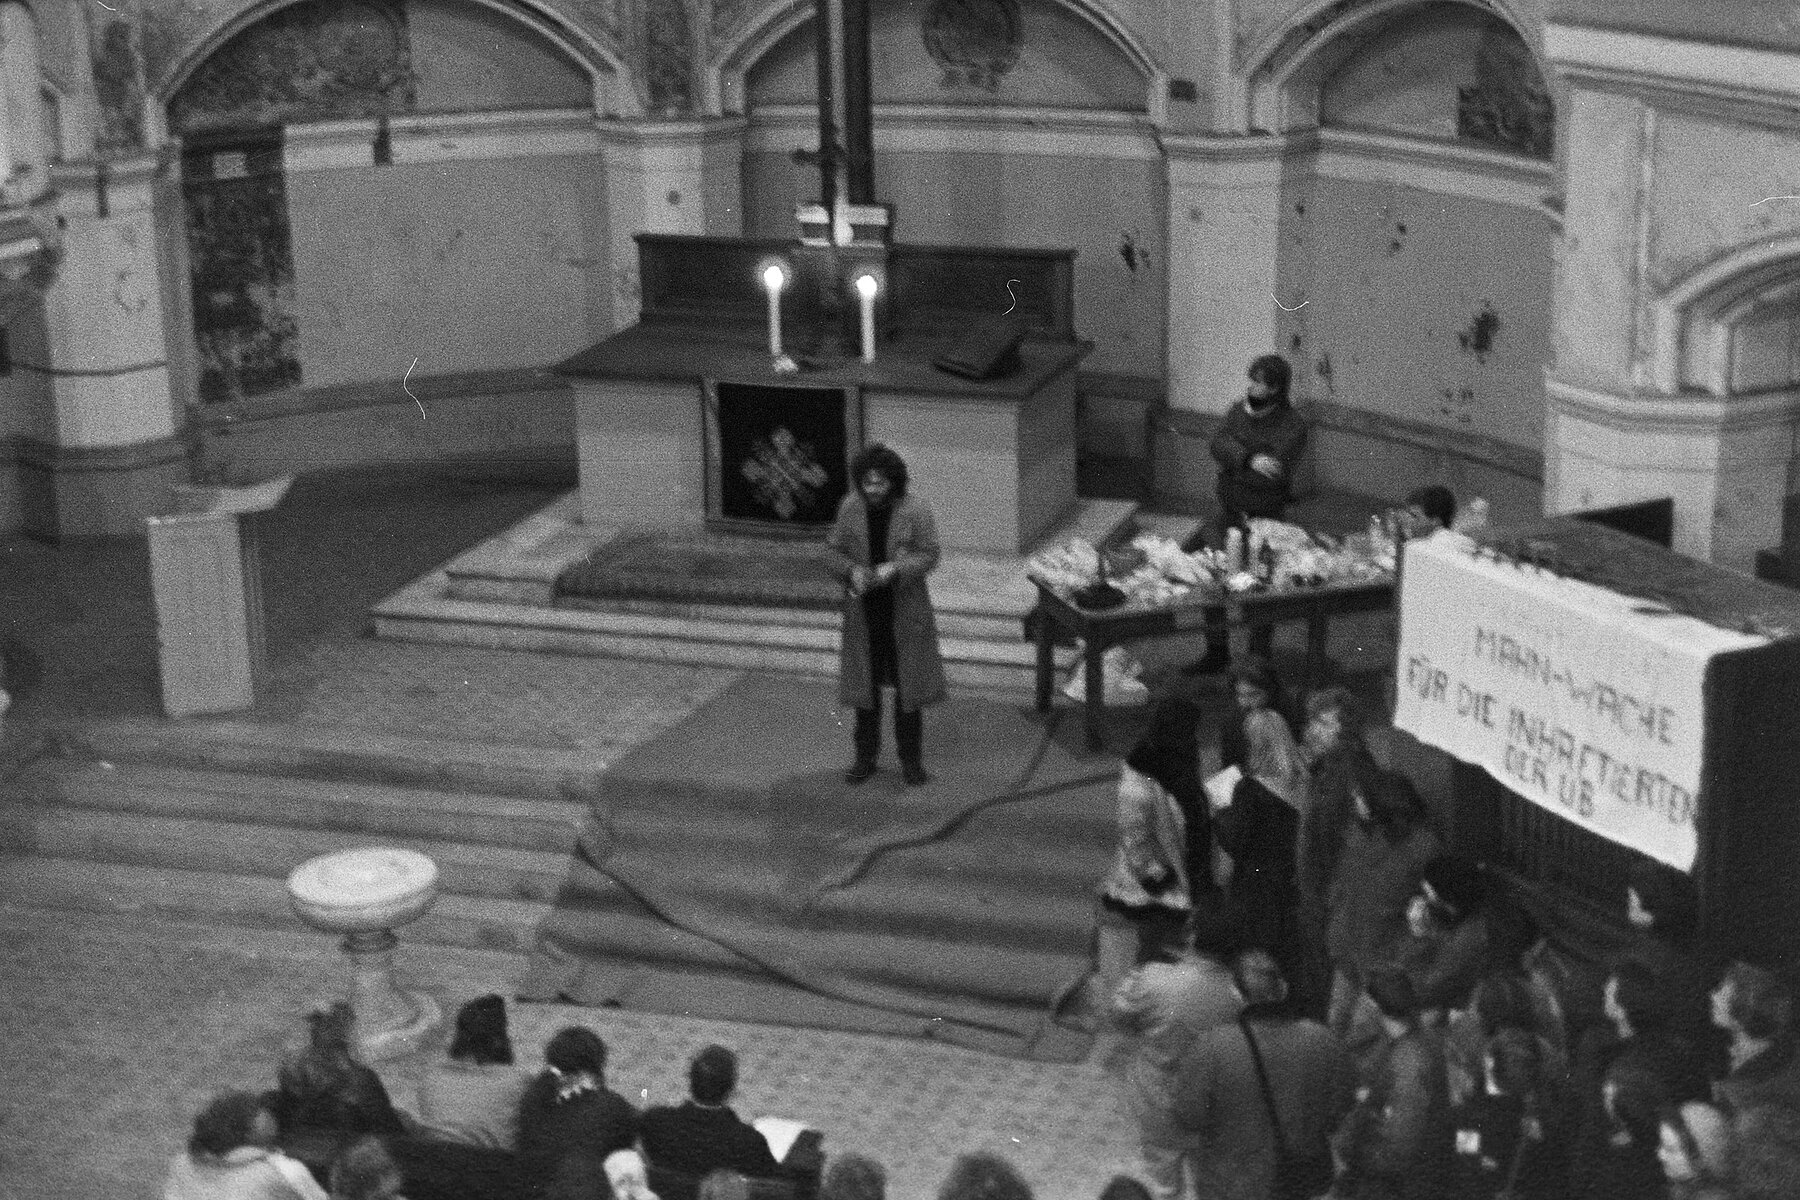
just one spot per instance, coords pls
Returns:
(473, 1096)
(702, 1134)
(324, 1087)
(567, 1111)
(232, 1156)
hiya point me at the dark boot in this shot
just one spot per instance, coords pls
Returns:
(909, 734)
(866, 736)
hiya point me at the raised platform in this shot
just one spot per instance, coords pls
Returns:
(502, 594)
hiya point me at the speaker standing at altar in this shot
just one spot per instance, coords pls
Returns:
(882, 545)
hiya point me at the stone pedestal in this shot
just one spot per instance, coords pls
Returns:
(365, 895)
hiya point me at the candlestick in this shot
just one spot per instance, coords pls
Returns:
(866, 287)
(774, 279)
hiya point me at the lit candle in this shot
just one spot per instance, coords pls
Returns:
(866, 287)
(774, 279)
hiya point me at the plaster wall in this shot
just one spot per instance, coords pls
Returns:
(467, 57)
(1596, 334)
(1398, 311)
(1694, 218)
(463, 265)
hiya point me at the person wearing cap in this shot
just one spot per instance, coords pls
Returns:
(1397, 1143)
(473, 1095)
(1445, 951)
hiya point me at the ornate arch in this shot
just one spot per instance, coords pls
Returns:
(732, 58)
(1281, 72)
(598, 54)
(1694, 318)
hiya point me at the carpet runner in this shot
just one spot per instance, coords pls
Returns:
(705, 568)
(960, 910)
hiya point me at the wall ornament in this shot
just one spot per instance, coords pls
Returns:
(976, 42)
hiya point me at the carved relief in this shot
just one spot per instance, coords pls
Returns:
(976, 42)
(331, 61)
(1507, 106)
(119, 86)
(668, 57)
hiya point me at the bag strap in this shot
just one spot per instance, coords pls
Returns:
(1268, 1093)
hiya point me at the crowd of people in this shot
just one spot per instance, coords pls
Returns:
(1327, 1003)
(483, 1126)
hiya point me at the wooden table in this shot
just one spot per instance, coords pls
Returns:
(1100, 630)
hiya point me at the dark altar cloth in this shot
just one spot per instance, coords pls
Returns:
(672, 351)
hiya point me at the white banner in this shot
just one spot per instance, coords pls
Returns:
(1565, 692)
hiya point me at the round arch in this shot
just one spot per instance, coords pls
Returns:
(1281, 73)
(614, 90)
(727, 68)
(1695, 317)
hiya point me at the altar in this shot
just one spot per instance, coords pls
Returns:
(683, 420)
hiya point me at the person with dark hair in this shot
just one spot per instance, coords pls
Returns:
(853, 1177)
(983, 1176)
(1257, 450)
(366, 1171)
(1755, 1007)
(232, 1156)
(1509, 1144)
(1339, 765)
(1186, 989)
(568, 1111)
(703, 1134)
(473, 1096)
(1164, 849)
(1429, 509)
(324, 1087)
(1445, 950)
(883, 545)
(1623, 1079)
(1662, 907)
(1398, 1141)
(1239, 1082)
(1386, 847)
(1618, 1160)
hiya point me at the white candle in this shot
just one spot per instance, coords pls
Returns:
(774, 278)
(866, 286)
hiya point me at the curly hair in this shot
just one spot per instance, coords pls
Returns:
(880, 459)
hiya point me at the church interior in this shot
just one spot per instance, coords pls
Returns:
(420, 338)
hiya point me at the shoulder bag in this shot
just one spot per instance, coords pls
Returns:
(1297, 1176)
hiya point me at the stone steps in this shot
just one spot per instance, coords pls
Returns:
(499, 595)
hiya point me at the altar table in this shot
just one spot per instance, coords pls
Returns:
(1101, 629)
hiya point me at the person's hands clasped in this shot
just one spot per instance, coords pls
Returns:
(1266, 465)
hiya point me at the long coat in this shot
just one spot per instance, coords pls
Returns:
(912, 546)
